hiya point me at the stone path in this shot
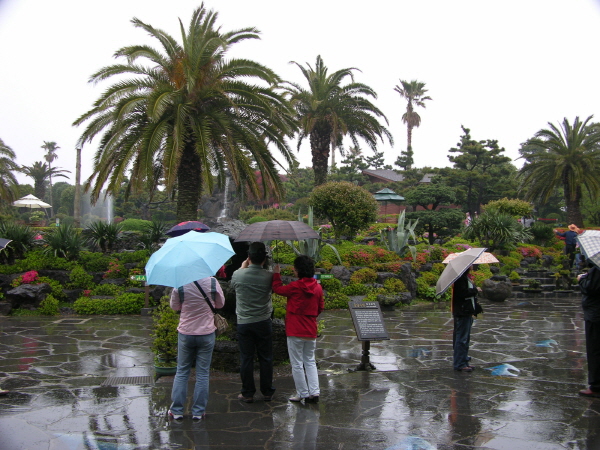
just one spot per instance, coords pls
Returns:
(55, 367)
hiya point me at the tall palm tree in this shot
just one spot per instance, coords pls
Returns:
(328, 110)
(566, 156)
(190, 111)
(414, 93)
(8, 181)
(40, 172)
(50, 156)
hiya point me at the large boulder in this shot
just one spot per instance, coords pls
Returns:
(341, 273)
(408, 277)
(496, 291)
(62, 276)
(28, 295)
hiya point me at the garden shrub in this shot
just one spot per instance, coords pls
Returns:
(429, 277)
(139, 256)
(139, 225)
(436, 254)
(94, 261)
(107, 289)
(365, 275)
(49, 306)
(331, 285)
(256, 219)
(372, 295)
(393, 266)
(37, 260)
(394, 285)
(283, 253)
(356, 289)
(115, 270)
(438, 268)
(57, 289)
(336, 300)
(64, 241)
(80, 279)
(123, 304)
(250, 215)
(529, 251)
(425, 290)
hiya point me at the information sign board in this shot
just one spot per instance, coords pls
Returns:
(368, 321)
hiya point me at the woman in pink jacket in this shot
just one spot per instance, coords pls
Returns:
(305, 303)
(195, 342)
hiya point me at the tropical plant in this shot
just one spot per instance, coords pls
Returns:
(22, 237)
(414, 93)
(50, 156)
(312, 247)
(64, 241)
(349, 208)
(565, 156)
(49, 306)
(327, 111)
(397, 240)
(103, 235)
(40, 172)
(188, 115)
(8, 181)
(152, 233)
(497, 231)
(542, 233)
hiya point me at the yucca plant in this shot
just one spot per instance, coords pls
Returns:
(22, 238)
(497, 231)
(312, 247)
(103, 235)
(152, 233)
(64, 241)
(397, 240)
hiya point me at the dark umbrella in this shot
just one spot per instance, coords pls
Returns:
(283, 230)
(184, 227)
(4, 243)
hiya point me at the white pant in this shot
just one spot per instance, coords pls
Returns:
(304, 367)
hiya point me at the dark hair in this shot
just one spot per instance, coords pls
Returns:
(305, 266)
(257, 257)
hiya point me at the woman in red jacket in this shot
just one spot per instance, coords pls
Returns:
(305, 303)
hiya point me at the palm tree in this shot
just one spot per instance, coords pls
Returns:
(50, 156)
(8, 181)
(40, 172)
(190, 112)
(327, 111)
(567, 156)
(414, 93)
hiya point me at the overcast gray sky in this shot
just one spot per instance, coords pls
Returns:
(503, 69)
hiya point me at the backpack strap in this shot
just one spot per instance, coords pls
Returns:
(205, 297)
(180, 292)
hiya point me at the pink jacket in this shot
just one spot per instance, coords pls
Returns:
(196, 316)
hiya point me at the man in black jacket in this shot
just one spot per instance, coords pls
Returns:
(590, 287)
(464, 299)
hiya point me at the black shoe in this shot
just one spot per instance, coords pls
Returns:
(312, 399)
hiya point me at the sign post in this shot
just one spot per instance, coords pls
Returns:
(369, 326)
(142, 278)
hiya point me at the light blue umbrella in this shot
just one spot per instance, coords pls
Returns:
(187, 258)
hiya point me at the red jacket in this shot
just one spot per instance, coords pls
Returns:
(305, 303)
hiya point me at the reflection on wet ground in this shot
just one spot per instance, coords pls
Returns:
(55, 367)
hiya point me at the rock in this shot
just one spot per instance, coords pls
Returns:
(73, 294)
(382, 276)
(408, 277)
(495, 269)
(427, 267)
(62, 276)
(341, 273)
(496, 291)
(547, 260)
(5, 281)
(5, 308)
(115, 281)
(389, 301)
(28, 295)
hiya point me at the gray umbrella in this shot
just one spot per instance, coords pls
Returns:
(456, 268)
(282, 230)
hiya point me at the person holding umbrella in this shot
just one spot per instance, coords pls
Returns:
(195, 342)
(305, 303)
(590, 288)
(464, 303)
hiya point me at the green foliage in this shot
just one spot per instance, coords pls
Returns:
(514, 276)
(336, 300)
(362, 276)
(283, 253)
(94, 261)
(49, 306)
(349, 208)
(104, 235)
(139, 256)
(107, 290)
(124, 304)
(398, 241)
(115, 270)
(512, 207)
(151, 234)
(425, 290)
(80, 279)
(57, 289)
(252, 215)
(22, 238)
(438, 268)
(257, 219)
(138, 225)
(542, 234)
(64, 241)
(497, 231)
(164, 332)
(313, 247)
(356, 289)
(331, 285)
(394, 285)
(37, 260)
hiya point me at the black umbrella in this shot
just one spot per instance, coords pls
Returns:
(184, 227)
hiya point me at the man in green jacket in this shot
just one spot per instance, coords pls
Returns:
(254, 308)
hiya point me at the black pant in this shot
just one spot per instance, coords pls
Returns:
(592, 345)
(256, 338)
(570, 252)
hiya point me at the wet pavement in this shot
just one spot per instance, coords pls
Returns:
(55, 369)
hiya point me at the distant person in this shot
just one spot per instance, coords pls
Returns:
(254, 308)
(467, 219)
(305, 303)
(590, 288)
(195, 343)
(464, 307)
(570, 242)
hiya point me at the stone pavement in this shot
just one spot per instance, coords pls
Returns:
(57, 370)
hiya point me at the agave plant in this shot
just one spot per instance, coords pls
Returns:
(103, 235)
(497, 231)
(64, 241)
(312, 247)
(22, 238)
(397, 240)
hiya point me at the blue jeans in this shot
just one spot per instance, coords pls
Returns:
(256, 338)
(461, 337)
(304, 367)
(192, 348)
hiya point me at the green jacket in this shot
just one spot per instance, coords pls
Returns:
(253, 294)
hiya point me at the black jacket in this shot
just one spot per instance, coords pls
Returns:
(460, 293)
(590, 287)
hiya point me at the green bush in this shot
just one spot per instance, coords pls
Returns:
(57, 289)
(331, 285)
(107, 289)
(262, 215)
(64, 241)
(336, 300)
(94, 261)
(256, 219)
(139, 256)
(394, 285)
(428, 277)
(80, 279)
(123, 304)
(365, 275)
(139, 225)
(37, 260)
(49, 306)
(104, 235)
(425, 290)
(372, 295)
(355, 289)
(22, 238)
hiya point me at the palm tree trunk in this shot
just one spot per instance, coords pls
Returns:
(188, 184)
(320, 145)
(573, 205)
